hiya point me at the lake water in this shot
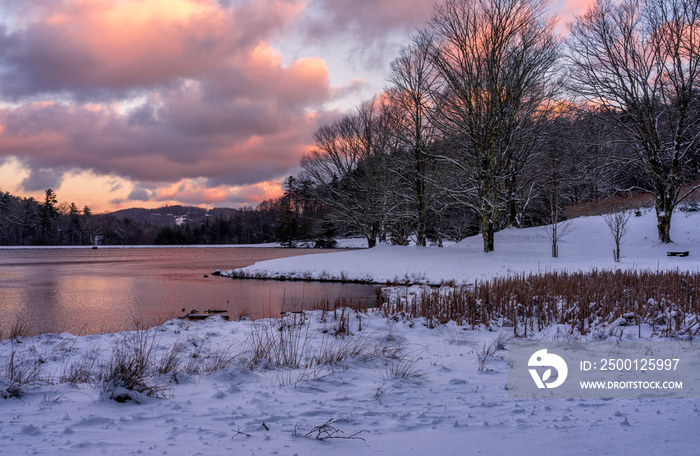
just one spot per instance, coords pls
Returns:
(85, 291)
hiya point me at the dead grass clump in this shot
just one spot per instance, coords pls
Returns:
(489, 352)
(81, 371)
(288, 343)
(281, 342)
(402, 368)
(170, 361)
(129, 369)
(220, 358)
(357, 305)
(17, 374)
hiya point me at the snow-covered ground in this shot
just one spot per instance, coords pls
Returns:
(395, 386)
(587, 245)
(427, 397)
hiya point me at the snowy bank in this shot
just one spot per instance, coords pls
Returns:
(394, 386)
(587, 246)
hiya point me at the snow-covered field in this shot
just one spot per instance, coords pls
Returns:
(394, 386)
(587, 245)
(410, 390)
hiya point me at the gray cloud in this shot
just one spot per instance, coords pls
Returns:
(41, 179)
(368, 20)
(139, 194)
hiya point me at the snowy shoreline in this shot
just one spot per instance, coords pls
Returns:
(588, 246)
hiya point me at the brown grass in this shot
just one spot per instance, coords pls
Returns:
(17, 373)
(669, 301)
(288, 343)
(611, 204)
(623, 202)
(129, 369)
(18, 329)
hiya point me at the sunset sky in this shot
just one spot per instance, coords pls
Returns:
(123, 103)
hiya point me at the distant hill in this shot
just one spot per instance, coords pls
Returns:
(172, 215)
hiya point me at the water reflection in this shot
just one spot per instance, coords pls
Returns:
(86, 291)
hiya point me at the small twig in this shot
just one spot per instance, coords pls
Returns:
(239, 432)
(326, 431)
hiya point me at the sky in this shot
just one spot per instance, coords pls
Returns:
(143, 103)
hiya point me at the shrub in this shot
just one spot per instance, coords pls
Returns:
(128, 374)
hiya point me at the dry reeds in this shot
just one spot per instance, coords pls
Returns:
(287, 343)
(17, 373)
(669, 301)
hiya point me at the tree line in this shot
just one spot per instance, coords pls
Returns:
(26, 221)
(490, 120)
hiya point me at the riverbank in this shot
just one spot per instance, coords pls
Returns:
(588, 245)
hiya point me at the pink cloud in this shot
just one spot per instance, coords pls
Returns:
(190, 191)
(104, 47)
(567, 9)
(221, 105)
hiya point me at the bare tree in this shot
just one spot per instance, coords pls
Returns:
(411, 78)
(617, 224)
(495, 65)
(638, 62)
(349, 167)
(555, 179)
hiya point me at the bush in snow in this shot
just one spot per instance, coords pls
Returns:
(128, 374)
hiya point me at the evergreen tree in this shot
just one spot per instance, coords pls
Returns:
(287, 229)
(48, 214)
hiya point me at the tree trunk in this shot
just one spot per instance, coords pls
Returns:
(664, 226)
(376, 231)
(664, 211)
(513, 213)
(487, 232)
(420, 228)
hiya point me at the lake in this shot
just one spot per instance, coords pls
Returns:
(86, 291)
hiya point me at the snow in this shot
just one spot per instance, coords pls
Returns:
(588, 245)
(422, 393)
(442, 403)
